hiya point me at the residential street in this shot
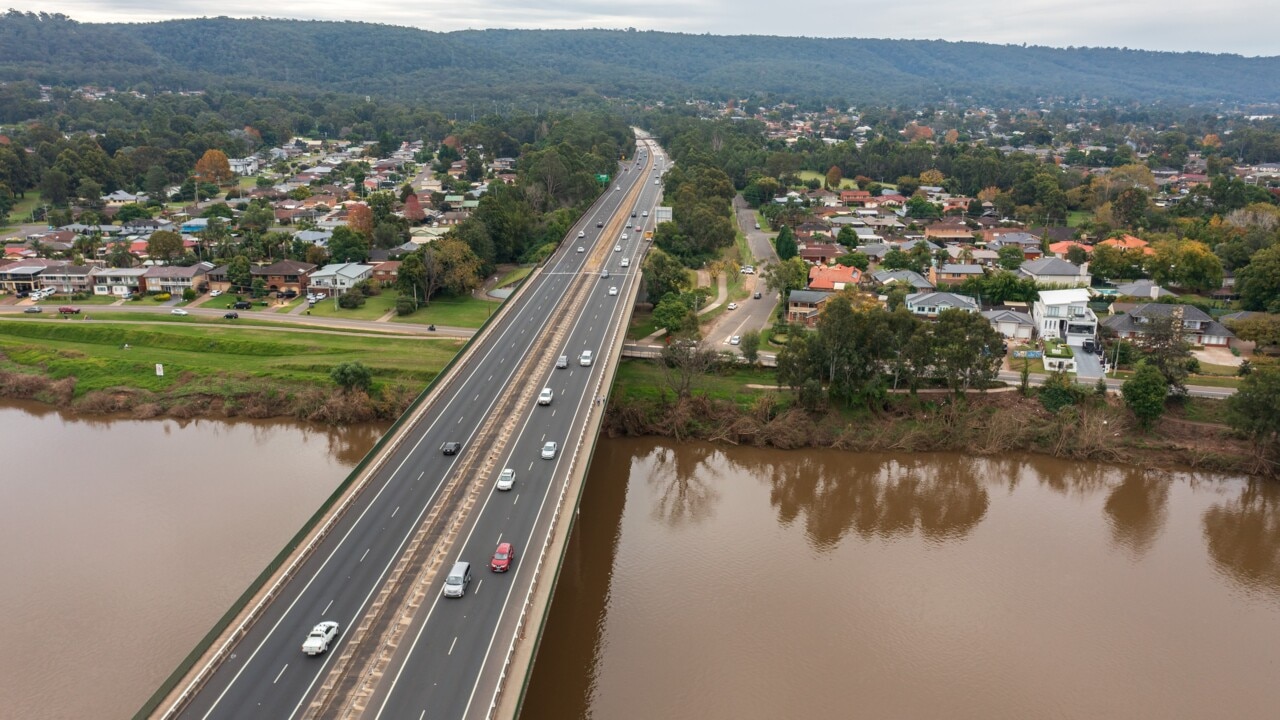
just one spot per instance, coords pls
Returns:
(751, 314)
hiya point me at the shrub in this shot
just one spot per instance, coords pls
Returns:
(1059, 391)
(406, 305)
(1144, 393)
(351, 299)
(189, 294)
(352, 376)
(162, 297)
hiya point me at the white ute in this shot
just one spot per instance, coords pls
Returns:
(320, 637)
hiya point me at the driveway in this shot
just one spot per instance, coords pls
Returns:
(1088, 365)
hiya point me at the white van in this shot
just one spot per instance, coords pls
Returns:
(585, 359)
(455, 584)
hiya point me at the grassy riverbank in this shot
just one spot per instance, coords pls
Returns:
(732, 407)
(212, 369)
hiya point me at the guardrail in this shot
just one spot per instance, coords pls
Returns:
(390, 438)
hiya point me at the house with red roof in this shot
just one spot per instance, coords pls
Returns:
(833, 277)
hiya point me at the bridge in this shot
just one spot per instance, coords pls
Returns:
(375, 559)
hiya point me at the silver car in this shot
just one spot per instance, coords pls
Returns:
(549, 450)
(506, 479)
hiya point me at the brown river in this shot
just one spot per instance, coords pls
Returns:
(702, 581)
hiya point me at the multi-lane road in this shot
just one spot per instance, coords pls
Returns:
(447, 662)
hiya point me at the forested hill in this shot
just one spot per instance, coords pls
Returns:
(545, 67)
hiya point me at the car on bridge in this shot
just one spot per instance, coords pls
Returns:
(544, 397)
(502, 557)
(613, 290)
(451, 448)
(549, 450)
(506, 479)
(320, 638)
(581, 249)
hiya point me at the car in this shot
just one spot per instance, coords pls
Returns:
(733, 306)
(604, 273)
(231, 316)
(34, 309)
(656, 181)
(562, 361)
(68, 310)
(215, 293)
(581, 249)
(624, 237)
(582, 233)
(506, 479)
(757, 226)
(626, 262)
(633, 213)
(243, 305)
(549, 450)
(502, 557)
(756, 295)
(748, 270)
(451, 448)
(613, 289)
(600, 223)
(618, 187)
(617, 248)
(1088, 346)
(320, 637)
(544, 397)
(736, 339)
(645, 213)
(178, 311)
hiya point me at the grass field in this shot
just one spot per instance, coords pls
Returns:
(641, 379)
(468, 312)
(22, 209)
(373, 308)
(1076, 218)
(207, 357)
(845, 184)
(514, 276)
(764, 223)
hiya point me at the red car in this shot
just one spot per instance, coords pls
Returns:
(68, 310)
(502, 558)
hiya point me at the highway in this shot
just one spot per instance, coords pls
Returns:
(449, 662)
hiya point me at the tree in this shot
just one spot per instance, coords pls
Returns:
(749, 344)
(164, 246)
(854, 259)
(131, 211)
(213, 167)
(674, 314)
(413, 211)
(1010, 257)
(1076, 255)
(347, 245)
(1259, 281)
(239, 274)
(55, 187)
(785, 276)
(351, 376)
(967, 350)
(1165, 348)
(663, 274)
(1255, 408)
(360, 219)
(932, 178)
(155, 182)
(785, 244)
(1130, 207)
(90, 193)
(1144, 394)
(834, 177)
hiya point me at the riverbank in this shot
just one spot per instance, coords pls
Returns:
(188, 370)
(1099, 428)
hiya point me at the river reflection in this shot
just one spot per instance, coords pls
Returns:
(124, 540)
(721, 582)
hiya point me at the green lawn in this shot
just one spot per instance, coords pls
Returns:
(1076, 218)
(641, 379)
(206, 358)
(845, 184)
(514, 276)
(764, 223)
(1203, 380)
(91, 300)
(22, 209)
(468, 312)
(373, 308)
(1205, 410)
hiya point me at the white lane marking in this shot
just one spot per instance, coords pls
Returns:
(393, 512)
(326, 608)
(516, 500)
(499, 538)
(455, 642)
(424, 472)
(286, 667)
(460, 419)
(366, 554)
(476, 398)
(477, 590)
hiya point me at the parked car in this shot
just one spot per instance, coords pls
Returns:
(549, 450)
(178, 311)
(506, 479)
(231, 316)
(34, 309)
(320, 637)
(502, 557)
(243, 305)
(215, 293)
(68, 310)
(451, 448)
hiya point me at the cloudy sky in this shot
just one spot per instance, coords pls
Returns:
(1246, 27)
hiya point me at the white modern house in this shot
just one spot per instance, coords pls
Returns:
(1064, 315)
(340, 276)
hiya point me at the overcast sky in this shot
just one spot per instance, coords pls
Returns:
(1246, 27)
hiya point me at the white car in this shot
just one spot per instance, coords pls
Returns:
(581, 249)
(733, 306)
(544, 397)
(644, 214)
(736, 339)
(216, 293)
(320, 637)
(617, 248)
(613, 290)
(506, 479)
(582, 233)
(626, 262)
(624, 237)
(178, 311)
(549, 450)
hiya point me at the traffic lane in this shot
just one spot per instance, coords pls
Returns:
(465, 630)
(468, 662)
(472, 383)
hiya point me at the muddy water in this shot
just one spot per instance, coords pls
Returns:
(121, 542)
(709, 582)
